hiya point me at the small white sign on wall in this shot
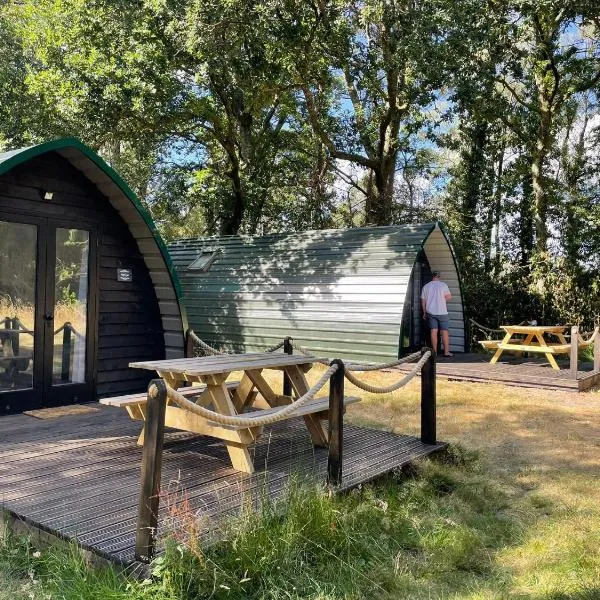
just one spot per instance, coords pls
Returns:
(124, 275)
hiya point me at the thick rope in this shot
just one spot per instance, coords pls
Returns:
(208, 349)
(596, 333)
(274, 348)
(213, 351)
(301, 349)
(67, 324)
(405, 359)
(390, 388)
(359, 366)
(77, 334)
(487, 331)
(23, 328)
(241, 421)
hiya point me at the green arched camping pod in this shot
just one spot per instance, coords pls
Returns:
(340, 293)
(86, 284)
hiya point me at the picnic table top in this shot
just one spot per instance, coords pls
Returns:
(533, 328)
(212, 365)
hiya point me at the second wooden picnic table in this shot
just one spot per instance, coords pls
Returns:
(228, 399)
(534, 341)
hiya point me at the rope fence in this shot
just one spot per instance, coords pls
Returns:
(372, 389)
(209, 350)
(240, 421)
(350, 369)
(20, 328)
(160, 395)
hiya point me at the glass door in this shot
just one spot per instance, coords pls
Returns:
(67, 365)
(20, 365)
(46, 306)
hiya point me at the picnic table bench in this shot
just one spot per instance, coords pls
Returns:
(534, 342)
(251, 396)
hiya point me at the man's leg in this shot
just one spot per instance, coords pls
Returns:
(434, 339)
(446, 342)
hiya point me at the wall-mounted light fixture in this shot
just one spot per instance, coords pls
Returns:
(48, 195)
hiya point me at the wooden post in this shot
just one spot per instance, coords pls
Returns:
(288, 348)
(154, 425)
(574, 356)
(15, 336)
(336, 425)
(597, 351)
(66, 352)
(189, 344)
(428, 400)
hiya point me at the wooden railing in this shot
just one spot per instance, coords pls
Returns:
(577, 342)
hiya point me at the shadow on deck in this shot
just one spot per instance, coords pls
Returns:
(525, 372)
(78, 477)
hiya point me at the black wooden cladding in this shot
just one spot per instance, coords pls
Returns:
(129, 322)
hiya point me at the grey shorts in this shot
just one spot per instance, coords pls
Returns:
(438, 322)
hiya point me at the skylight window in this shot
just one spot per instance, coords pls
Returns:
(203, 261)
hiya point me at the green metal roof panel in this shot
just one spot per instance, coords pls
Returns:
(337, 292)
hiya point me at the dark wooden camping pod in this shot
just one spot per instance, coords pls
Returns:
(86, 284)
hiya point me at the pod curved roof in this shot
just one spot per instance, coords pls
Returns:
(339, 292)
(134, 214)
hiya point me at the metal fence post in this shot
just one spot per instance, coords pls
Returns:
(597, 351)
(574, 354)
(66, 352)
(288, 348)
(154, 425)
(428, 399)
(336, 425)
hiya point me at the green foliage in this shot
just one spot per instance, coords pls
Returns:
(233, 116)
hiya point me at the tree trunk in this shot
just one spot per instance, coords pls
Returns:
(497, 207)
(380, 207)
(474, 176)
(538, 183)
(526, 220)
(233, 209)
(493, 194)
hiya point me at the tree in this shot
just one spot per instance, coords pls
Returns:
(550, 55)
(169, 72)
(366, 70)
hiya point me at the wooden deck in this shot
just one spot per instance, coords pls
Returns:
(524, 372)
(79, 476)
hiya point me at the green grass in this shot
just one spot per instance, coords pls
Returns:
(511, 512)
(446, 530)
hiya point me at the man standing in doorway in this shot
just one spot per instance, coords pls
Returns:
(434, 296)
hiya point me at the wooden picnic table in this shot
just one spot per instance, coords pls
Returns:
(253, 391)
(534, 341)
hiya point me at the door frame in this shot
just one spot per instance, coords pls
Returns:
(412, 313)
(43, 393)
(70, 393)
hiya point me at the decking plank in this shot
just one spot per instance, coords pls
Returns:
(530, 372)
(79, 476)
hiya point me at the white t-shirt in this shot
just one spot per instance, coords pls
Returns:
(433, 293)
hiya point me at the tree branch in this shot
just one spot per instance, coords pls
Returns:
(326, 140)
